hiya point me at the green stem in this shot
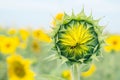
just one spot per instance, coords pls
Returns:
(76, 72)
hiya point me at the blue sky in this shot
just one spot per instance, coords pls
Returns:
(39, 13)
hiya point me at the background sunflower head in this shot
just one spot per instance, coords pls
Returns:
(112, 43)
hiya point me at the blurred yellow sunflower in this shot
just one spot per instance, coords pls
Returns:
(58, 17)
(41, 35)
(24, 34)
(19, 68)
(113, 43)
(9, 45)
(35, 46)
(1, 38)
(12, 31)
(89, 72)
(67, 74)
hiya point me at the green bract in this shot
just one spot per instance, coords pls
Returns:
(77, 38)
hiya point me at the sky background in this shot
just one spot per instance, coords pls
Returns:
(39, 13)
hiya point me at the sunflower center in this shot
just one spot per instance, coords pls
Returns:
(72, 47)
(114, 42)
(38, 34)
(76, 39)
(8, 45)
(35, 46)
(19, 69)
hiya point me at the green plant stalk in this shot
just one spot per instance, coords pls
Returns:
(75, 71)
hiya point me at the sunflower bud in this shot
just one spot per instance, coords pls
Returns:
(77, 37)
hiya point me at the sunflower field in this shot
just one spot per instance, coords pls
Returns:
(75, 48)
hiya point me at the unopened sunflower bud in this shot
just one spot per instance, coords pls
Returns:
(77, 37)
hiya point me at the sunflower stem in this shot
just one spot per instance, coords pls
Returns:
(75, 71)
